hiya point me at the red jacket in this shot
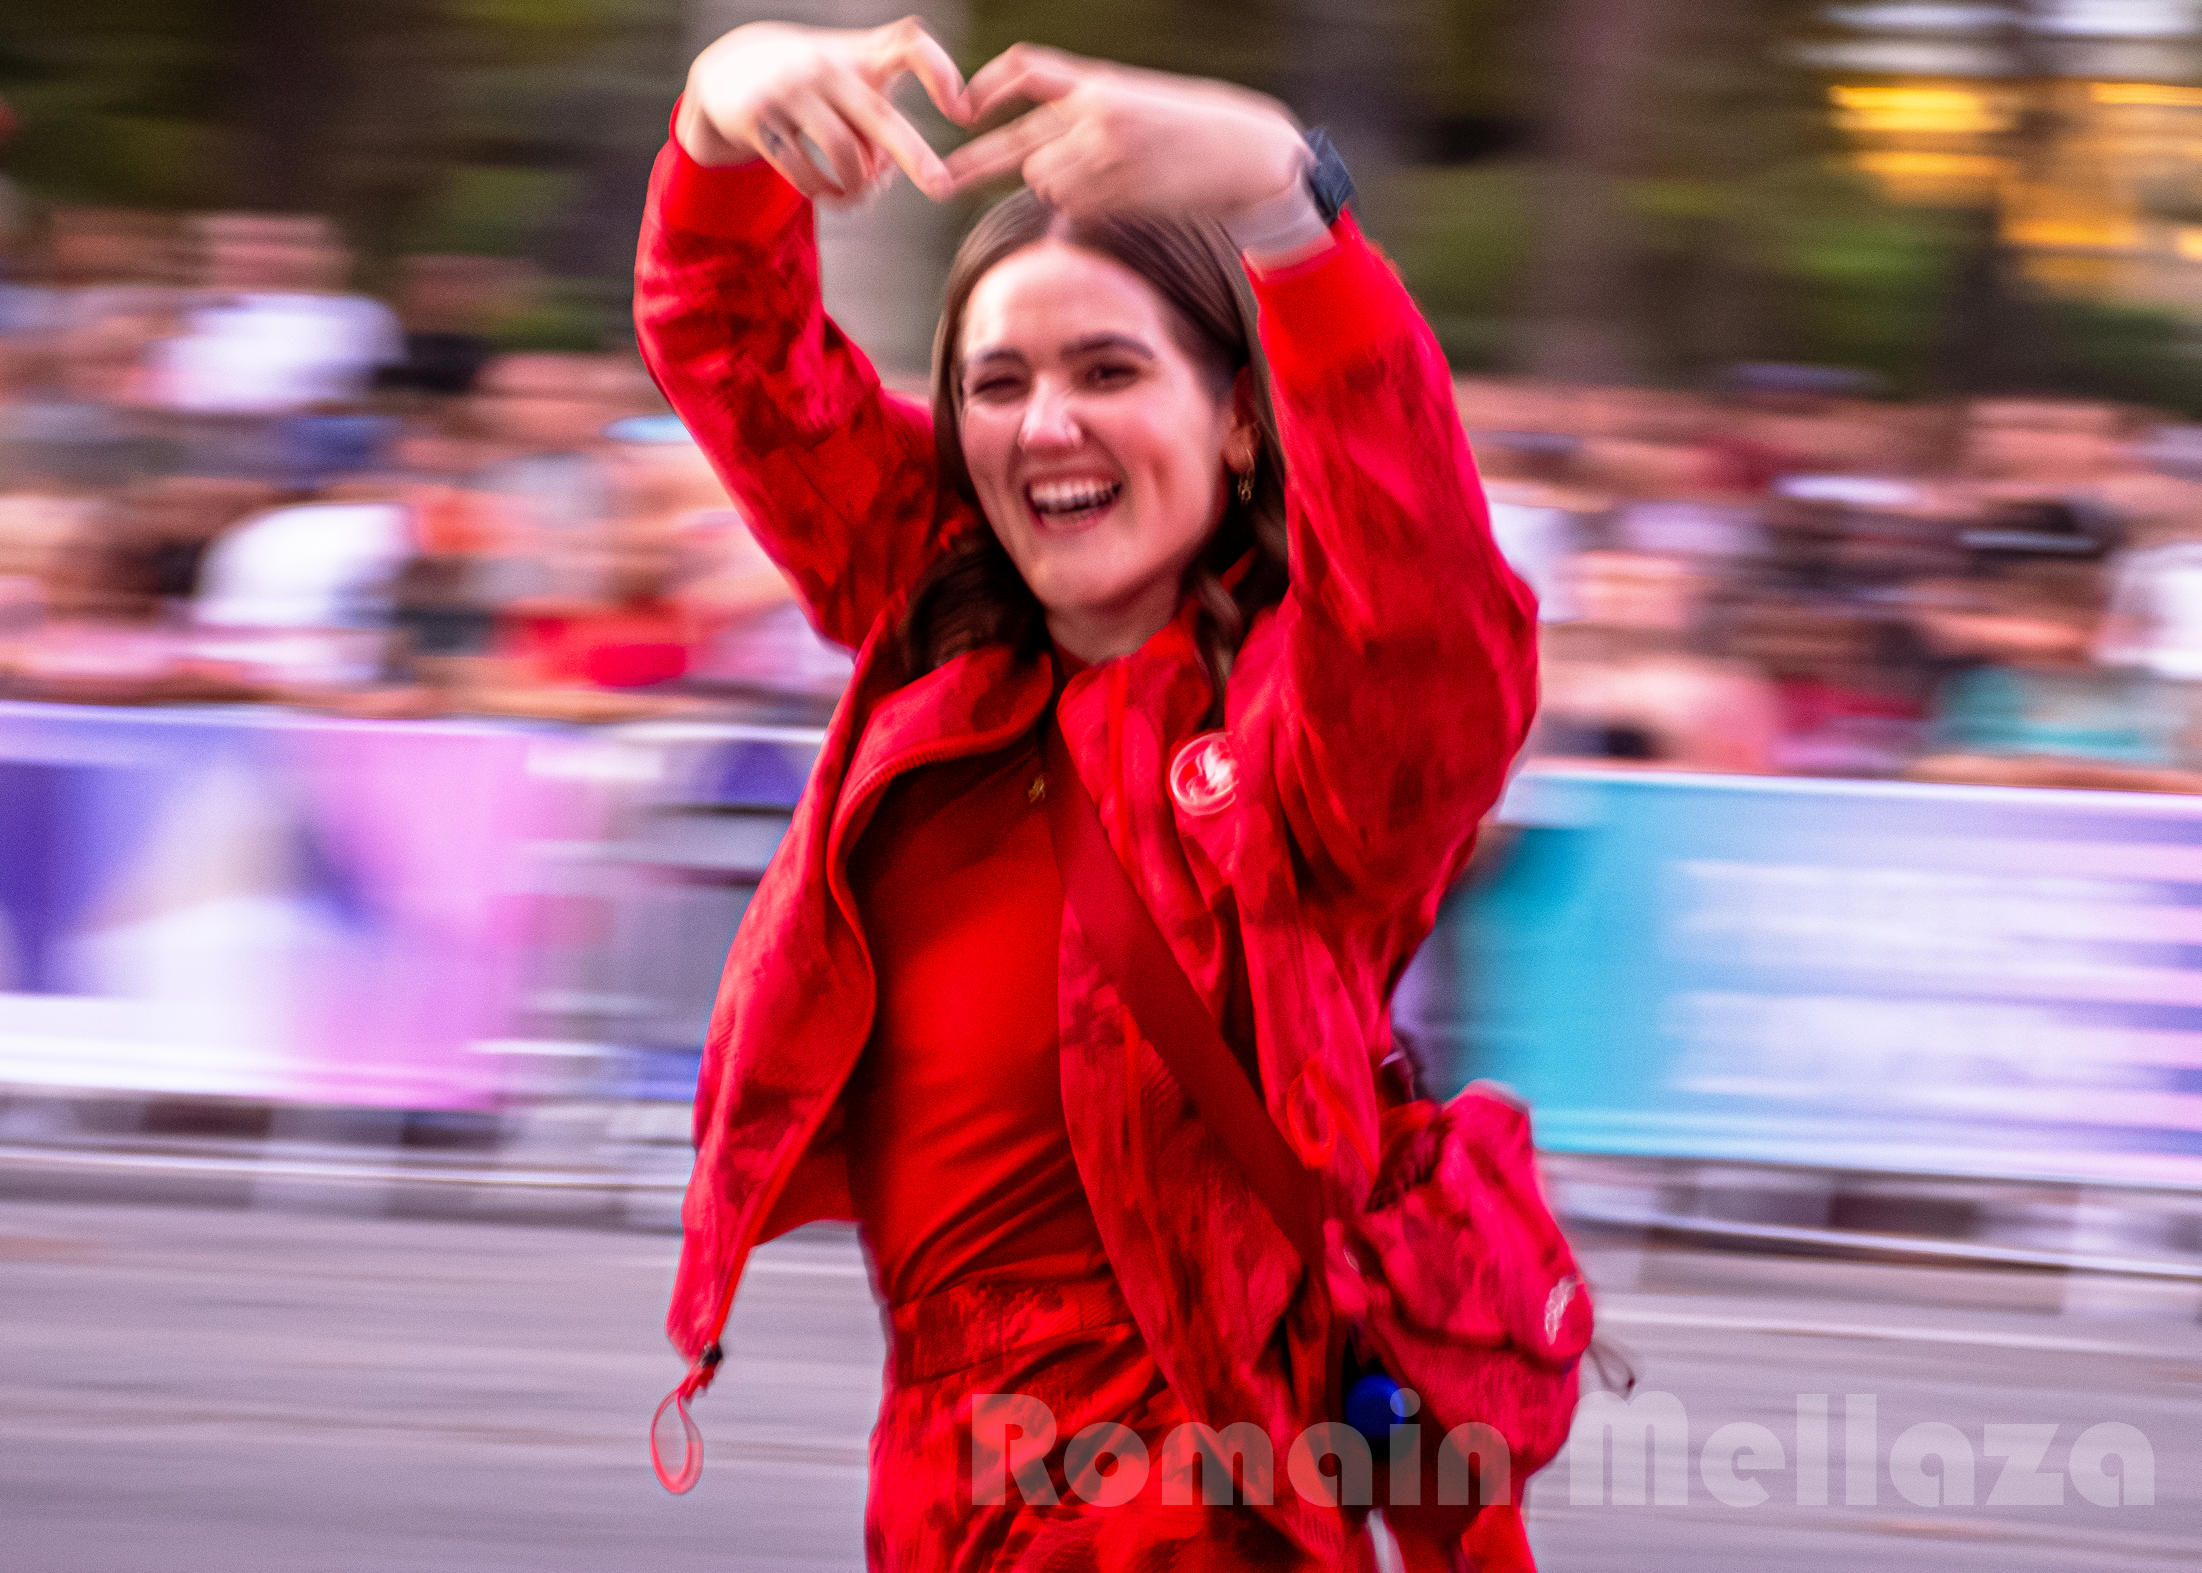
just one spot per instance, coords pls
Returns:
(1372, 716)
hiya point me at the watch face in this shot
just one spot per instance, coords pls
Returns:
(1328, 182)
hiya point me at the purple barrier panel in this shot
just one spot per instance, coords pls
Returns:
(407, 837)
(259, 904)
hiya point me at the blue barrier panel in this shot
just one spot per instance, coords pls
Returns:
(1872, 975)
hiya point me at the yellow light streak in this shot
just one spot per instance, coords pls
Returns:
(1945, 110)
(2156, 95)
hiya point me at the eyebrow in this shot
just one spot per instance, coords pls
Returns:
(1090, 344)
(1109, 341)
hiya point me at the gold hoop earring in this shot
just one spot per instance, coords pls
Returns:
(1246, 484)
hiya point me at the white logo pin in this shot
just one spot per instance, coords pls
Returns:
(1204, 778)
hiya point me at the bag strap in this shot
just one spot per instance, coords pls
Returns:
(1171, 1015)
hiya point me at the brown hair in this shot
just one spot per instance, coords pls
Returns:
(973, 595)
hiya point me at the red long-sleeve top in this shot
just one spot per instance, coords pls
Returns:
(959, 1157)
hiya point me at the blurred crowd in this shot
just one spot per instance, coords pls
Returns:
(1789, 577)
(227, 476)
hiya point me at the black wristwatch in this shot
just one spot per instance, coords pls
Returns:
(1327, 180)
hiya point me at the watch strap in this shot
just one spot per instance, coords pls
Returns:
(1328, 180)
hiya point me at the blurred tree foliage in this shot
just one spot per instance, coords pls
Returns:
(1758, 243)
(1734, 231)
(516, 128)
(1755, 242)
(1448, 67)
(1237, 39)
(1561, 204)
(1734, 235)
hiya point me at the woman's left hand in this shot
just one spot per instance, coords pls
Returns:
(1111, 137)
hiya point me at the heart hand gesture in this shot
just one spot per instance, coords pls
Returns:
(813, 102)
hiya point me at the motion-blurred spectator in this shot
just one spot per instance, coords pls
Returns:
(271, 329)
(104, 293)
(1624, 682)
(1716, 533)
(168, 526)
(303, 594)
(272, 356)
(311, 565)
(757, 642)
(632, 636)
(629, 631)
(1843, 536)
(436, 614)
(35, 532)
(1538, 538)
(114, 576)
(749, 636)
(639, 628)
(131, 557)
(469, 543)
(450, 306)
(1845, 707)
(2154, 619)
(2037, 710)
(545, 415)
(2044, 441)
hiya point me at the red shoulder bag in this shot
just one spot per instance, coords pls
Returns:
(1454, 1276)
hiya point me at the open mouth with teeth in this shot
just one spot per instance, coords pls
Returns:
(1072, 501)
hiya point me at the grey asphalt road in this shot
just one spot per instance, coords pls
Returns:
(263, 1392)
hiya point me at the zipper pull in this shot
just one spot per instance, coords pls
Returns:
(682, 1479)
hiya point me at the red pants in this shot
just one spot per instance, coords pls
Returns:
(965, 1479)
(1074, 1349)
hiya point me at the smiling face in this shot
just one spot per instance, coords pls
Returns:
(1100, 448)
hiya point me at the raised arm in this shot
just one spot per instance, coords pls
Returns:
(835, 475)
(1410, 663)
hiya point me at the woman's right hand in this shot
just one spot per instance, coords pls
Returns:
(765, 90)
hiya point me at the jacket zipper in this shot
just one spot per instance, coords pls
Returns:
(706, 1363)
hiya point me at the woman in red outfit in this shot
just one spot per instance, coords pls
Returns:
(1094, 522)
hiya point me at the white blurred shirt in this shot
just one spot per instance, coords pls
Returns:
(2155, 613)
(272, 352)
(324, 565)
(1537, 543)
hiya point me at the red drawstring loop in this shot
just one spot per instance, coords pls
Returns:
(699, 1376)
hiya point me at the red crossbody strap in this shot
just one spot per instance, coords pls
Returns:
(1171, 1015)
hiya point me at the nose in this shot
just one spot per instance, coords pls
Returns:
(1048, 422)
